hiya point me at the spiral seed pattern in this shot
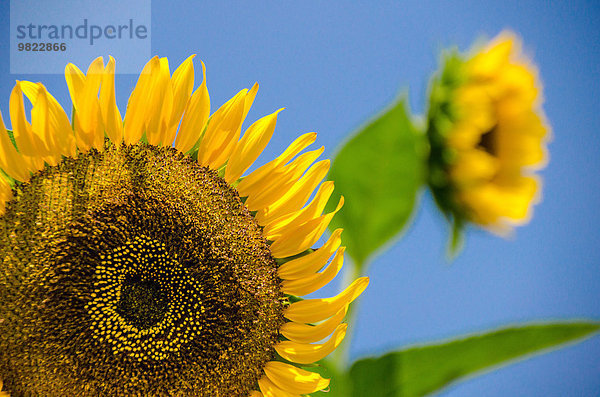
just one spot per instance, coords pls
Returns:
(134, 271)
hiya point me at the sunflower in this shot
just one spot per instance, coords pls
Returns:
(136, 259)
(488, 134)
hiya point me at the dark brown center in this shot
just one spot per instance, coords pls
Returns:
(134, 271)
(487, 141)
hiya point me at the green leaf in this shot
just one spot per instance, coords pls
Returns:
(339, 385)
(379, 171)
(421, 370)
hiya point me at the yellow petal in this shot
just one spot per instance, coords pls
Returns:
(44, 120)
(138, 107)
(11, 161)
(161, 100)
(305, 333)
(464, 136)
(88, 112)
(255, 393)
(93, 77)
(314, 310)
(297, 196)
(249, 100)
(305, 353)
(228, 146)
(493, 203)
(50, 122)
(308, 285)
(87, 121)
(489, 61)
(247, 149)
(310, 263)
(293, 379)
(519, 84)
(40, 123)
(61, 131)
(248, 184)
(221, 131)
(519, 197)
(31, 90)
(280, 180)
(304, 236)
(5, 195)
(182, 84)
(474, 166)
(195, 117)
(296, 147)
(28, 143)
(268, 389)
(518, 148)
(75, 82)
(284, 224)
(113, 123)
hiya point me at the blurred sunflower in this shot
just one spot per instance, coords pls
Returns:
(487, 133)
(136, 259)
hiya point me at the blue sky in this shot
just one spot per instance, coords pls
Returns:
(333, 65)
